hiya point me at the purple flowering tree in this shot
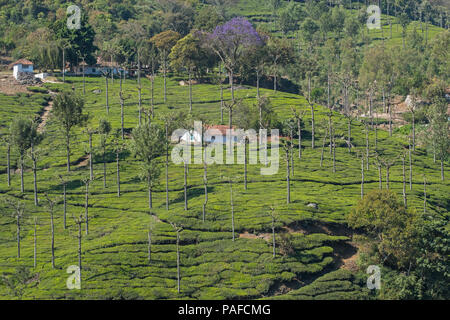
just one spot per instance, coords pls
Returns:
(231, 41)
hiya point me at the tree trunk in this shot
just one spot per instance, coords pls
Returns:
(442, 169)
(79, 247)
(299, 125)
(35, 244)
(221, 94)
(380, 178)
(232, 209)
(273, 237)
(376, 134)
(18, 235)
(65, 206)
(178, 263)
(323, 147)
(120, 78)
(22, 188)
(35, 189)
(167, 167)
(150, 198)
(104, 164)
(185, 187)
(330, 126)
(414, 131)
(424, 195)
(245, 164)
(139, 66)
(91, 165)
(112, 71)
(149, 245)
(349, 129)
(334, 152)
(86, 208)
(190, 90)
(312, 127)
(387, 177)
(68, 150)
(362, 177)
(64, 66)
(53, 237)
(367, 147)
(205, 182)
(118, 172)
(8, 169)
(140, 105)
(84, 81)
(410, 167)
(404, 183)
(153, 95)
(291, 149)
(288, 182)
(390, 117)
(165, 79)
(434, 150)
(231, 76)
(230, 126)
(107, 95)
(122, 116)
(257, 84)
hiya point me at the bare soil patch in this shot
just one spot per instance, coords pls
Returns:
(265, 236)
(9, 85)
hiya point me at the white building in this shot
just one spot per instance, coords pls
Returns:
(22, 66)
(99, 68)
(214, 134)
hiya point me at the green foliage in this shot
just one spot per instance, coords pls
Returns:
(17, 282)
(81, 40)
(68, 111)
(393, 226)
(148, 145)
(23, 134)
(212, 266)
(37, 89)
(189, 54)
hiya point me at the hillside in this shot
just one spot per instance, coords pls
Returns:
(213, 266)
(225, 249)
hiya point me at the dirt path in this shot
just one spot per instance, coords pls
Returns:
(265, 236)
(46, 114)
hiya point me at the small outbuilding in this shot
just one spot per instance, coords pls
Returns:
(22, 66)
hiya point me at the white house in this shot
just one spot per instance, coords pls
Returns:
(22, 66)
(214, 134)
(99, 68)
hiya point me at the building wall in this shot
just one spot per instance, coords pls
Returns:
(21, 68)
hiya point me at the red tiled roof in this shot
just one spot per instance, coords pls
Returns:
(24, 62)
(222, 128)
(104, 63)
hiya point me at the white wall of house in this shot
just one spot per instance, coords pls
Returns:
(191, 137)
(97, 71)
(21, 68)
(211, 136)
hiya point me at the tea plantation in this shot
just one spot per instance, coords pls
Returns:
(311, 243)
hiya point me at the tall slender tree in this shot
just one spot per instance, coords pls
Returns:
(68, 113)
(148, 146)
